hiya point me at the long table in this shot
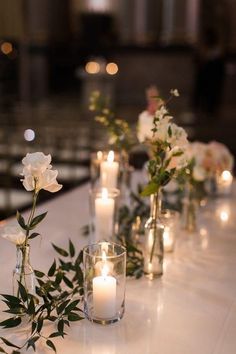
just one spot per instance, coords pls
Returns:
(190, 310)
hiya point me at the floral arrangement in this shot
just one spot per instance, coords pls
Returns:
(118, 129)
(207, 160)
(37, 175)
(167, 147)
(41, 297)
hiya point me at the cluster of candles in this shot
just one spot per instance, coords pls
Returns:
(104, 282)
(105, 196)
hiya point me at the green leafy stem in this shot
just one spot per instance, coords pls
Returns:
(58, 297)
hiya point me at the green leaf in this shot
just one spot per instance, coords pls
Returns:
(60, 326)
(58, 279)
(33, 235)
(61, 307)
(21, 220)
(12, 299)
(11, 322)
(31, 342)
(74, 317)
(71, 306)
(60, 251)
(33, 327)
(2, 350)
(79, 259)
(52, 269)
(16, 310)
(31, 307)
(51, 345)
(40, 324)
(23, 292)
(170, 131)
(68, 282)
(71, 249)
(39, 274)
(37, 220)
(57, 334)
(151, 188)
(9, 344)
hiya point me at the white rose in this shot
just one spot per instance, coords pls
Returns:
(35, 163)
(14, 234)
(46, 180)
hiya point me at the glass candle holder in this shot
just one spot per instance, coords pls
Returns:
(103, 212)
(104, 169)
(95, 162)
(170, 219)
(104, 282)
(224, 183)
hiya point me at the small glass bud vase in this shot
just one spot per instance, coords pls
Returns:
(103, 213)
(189, 210)
(104, 282)
(23, 272)
(153, 243)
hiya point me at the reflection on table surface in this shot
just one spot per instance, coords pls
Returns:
(191, 309)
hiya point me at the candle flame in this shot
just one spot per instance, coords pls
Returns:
(224, 216)
(99, 155)
(226, 175)
(104, 194)
(110, 156)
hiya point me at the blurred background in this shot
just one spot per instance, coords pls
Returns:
(53, 54)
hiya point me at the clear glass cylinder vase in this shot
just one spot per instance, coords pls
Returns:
(103, 214)
(23, 272)
(104, 282)
(153, 243)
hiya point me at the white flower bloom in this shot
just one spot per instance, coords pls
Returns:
(14, 234)
(178, 136)
(38, 174)
(174, 92)
(46, 180)
(36, 163)
(177, 162)
(162, 133)
(161, 112)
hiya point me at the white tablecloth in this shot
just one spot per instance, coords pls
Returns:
(190, 310)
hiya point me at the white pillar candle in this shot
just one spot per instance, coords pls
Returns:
(168, 239)
(104, 295)
(109, 172)
(104, 214)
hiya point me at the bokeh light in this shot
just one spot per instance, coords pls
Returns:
(29, 135)
(112, 68)
(92, 67)
(6, 48)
